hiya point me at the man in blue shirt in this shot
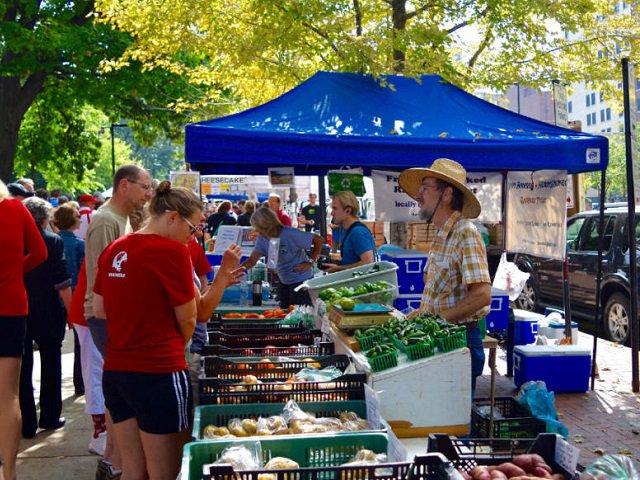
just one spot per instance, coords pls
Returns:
(357, 246)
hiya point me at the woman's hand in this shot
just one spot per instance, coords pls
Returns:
(230, 272)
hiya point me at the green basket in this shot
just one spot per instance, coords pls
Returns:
(219, 415)
(457, 339)
(397, 343)
(367, 342)
(420, 350)
(315, 451)
(383, 362)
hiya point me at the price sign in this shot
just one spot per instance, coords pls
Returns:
(397, 452)
(373, 407)
(566, 455)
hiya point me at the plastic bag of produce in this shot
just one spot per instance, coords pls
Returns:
(311, 374)
(242, 456)
(536, 397)
(301, 314)
(610, 467)
(509, 278)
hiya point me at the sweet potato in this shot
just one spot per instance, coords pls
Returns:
(480, 473)
(510, 470)
(528, 462)
(498, 475)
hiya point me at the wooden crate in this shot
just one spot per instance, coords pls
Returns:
(495, 233)
(421, 232)
(375, 227)
(421, 246)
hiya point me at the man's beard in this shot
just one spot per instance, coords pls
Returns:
(426, 214)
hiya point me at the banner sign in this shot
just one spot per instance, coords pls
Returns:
(343, 180)
(393, 204)
(190, 180)
(281, 177)
(217, 184)
(537, 213)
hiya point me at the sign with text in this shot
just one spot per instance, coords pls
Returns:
(281, 177)
(393, 204)
(537, 213)
(230, 234)
(223, 184)
(560, 104)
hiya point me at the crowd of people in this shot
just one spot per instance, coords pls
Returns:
(132, 281)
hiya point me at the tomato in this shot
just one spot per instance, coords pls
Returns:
(291, 308)
(252, 315)
(270, 350)
(281, 315)
(277, 311)
(268, 314)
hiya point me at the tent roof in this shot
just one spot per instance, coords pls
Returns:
(334, 120)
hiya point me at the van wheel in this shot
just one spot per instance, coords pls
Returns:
(616, 318)
(528, 299)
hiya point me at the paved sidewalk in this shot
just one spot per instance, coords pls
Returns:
(607, 418)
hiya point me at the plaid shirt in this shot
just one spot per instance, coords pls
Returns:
(457, 258)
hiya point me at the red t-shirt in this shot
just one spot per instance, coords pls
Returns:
(76, 316)
(198, 258)
(19, 233)
(284, 218)
(142, 277)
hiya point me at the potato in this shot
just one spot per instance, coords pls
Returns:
(251, 380)
(267, 476)
(510, 470)
(280, 463)
(498, 475)
(480, 472)
(209, 431)
(222, 431)
(249, 425)
(528, 462)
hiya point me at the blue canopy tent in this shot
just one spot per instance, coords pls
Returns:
(334, 120)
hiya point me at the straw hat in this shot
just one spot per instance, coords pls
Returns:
(447, 170)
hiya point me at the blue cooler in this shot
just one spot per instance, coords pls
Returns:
(499, 311)
(525, 327)
(563, 368)
(411, 265)
(403, 301)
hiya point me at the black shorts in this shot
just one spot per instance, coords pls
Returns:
(13, 331)
(162, 403)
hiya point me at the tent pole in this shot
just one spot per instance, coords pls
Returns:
(629, 133)
(323, 207)
(598, 309)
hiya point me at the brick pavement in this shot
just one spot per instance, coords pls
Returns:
(605, 419)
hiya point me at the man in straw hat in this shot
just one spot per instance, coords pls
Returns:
(457, 283)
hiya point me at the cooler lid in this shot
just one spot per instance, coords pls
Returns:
(526, 315)
(404, 253)
(551, 350)
(561, 325)
(498, 292)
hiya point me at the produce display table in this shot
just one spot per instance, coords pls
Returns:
(423, 396)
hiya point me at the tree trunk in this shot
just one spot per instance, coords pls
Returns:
(399, 19)
(15, 100)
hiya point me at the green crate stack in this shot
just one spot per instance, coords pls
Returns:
(367, 342)
(383, 362)
(455, 340)
(420, 350)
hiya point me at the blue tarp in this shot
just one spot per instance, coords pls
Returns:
(334, 120)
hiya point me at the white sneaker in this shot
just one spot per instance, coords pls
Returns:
(97, 445)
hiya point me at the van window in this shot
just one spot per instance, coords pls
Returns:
(589, 238)
(573, 230)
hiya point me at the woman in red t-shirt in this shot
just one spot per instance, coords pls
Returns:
(21, 250)
(145, 289)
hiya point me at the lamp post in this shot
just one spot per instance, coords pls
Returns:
(113, 145)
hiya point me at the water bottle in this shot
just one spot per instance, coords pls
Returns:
(259, 271)
(244, 293)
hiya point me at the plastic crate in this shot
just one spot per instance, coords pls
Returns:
(367, 342)
(454, 341)
(345, 278)
(219, 415)
(243, 340)
(322, 348)
(216, 391)
(517, 421)
(248, 327)
(420, 350)
(383, 362)
(309, 452)
(383, 297)
(273, 369)
(465, 454)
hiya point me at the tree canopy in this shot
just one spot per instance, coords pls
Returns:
(258, 49)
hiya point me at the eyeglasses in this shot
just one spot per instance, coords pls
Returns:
(145, 186)
(425, 187)
(192, 228)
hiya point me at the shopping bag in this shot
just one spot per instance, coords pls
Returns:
(509, 278)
